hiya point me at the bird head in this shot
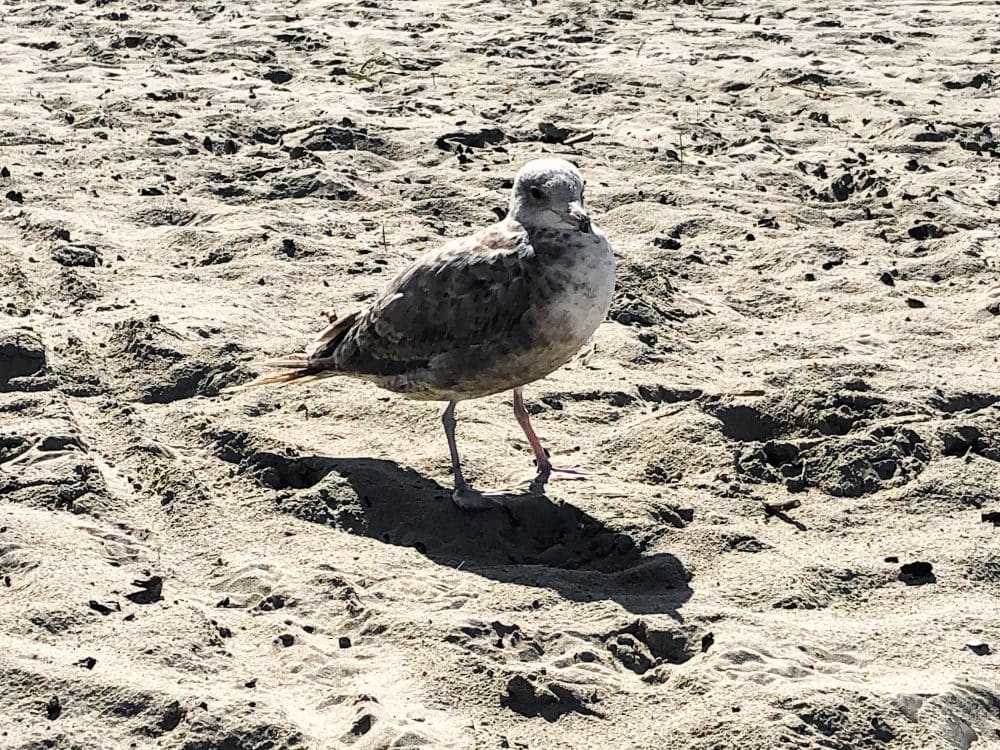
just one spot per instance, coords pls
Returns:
(548, 194)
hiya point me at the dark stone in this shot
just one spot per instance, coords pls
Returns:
(278, 76)
(881, 730)
(172, 717)
(150, 591)
(103, 609)
(842, 187)
(552, 133)
(363, 725)
(916, 573)
(925, 232)
(272, 603)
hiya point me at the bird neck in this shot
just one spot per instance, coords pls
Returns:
(527, 218)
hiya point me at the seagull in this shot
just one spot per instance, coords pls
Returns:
(483, 314)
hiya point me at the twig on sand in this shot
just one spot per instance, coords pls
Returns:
(582, 138)
(659, 415)
(775, 509)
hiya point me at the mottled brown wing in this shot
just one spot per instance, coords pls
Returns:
(467, 294)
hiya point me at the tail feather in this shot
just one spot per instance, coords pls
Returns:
(314, 364)
(304, 375)
(293, 361)
(300, 370)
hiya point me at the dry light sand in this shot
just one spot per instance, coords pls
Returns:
(803, 198)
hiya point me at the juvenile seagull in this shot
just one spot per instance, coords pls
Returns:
(483, 314)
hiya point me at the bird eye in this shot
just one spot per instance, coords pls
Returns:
(536, 193)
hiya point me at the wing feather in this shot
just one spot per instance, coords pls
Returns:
(326, 343)
(470, 293)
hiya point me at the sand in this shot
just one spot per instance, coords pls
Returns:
(791, 536)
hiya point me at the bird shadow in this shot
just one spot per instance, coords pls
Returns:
(530, 541)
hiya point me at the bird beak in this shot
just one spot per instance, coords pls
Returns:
(577, 217)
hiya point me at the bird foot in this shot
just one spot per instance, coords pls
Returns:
(571, 474)
(537, 483)
(467, 498)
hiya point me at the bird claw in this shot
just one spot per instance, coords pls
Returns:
(573, 474)
(537, 483)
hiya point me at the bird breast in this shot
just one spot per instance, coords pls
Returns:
(579, 287)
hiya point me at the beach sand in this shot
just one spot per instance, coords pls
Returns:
(793, 411)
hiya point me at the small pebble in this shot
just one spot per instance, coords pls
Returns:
(992, 517)
(979, 648)
(918, 572)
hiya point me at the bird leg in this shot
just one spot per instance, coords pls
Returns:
(545, 469)
(464, 496)
(448, 420)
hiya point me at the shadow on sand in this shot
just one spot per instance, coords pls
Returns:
(531, 541)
